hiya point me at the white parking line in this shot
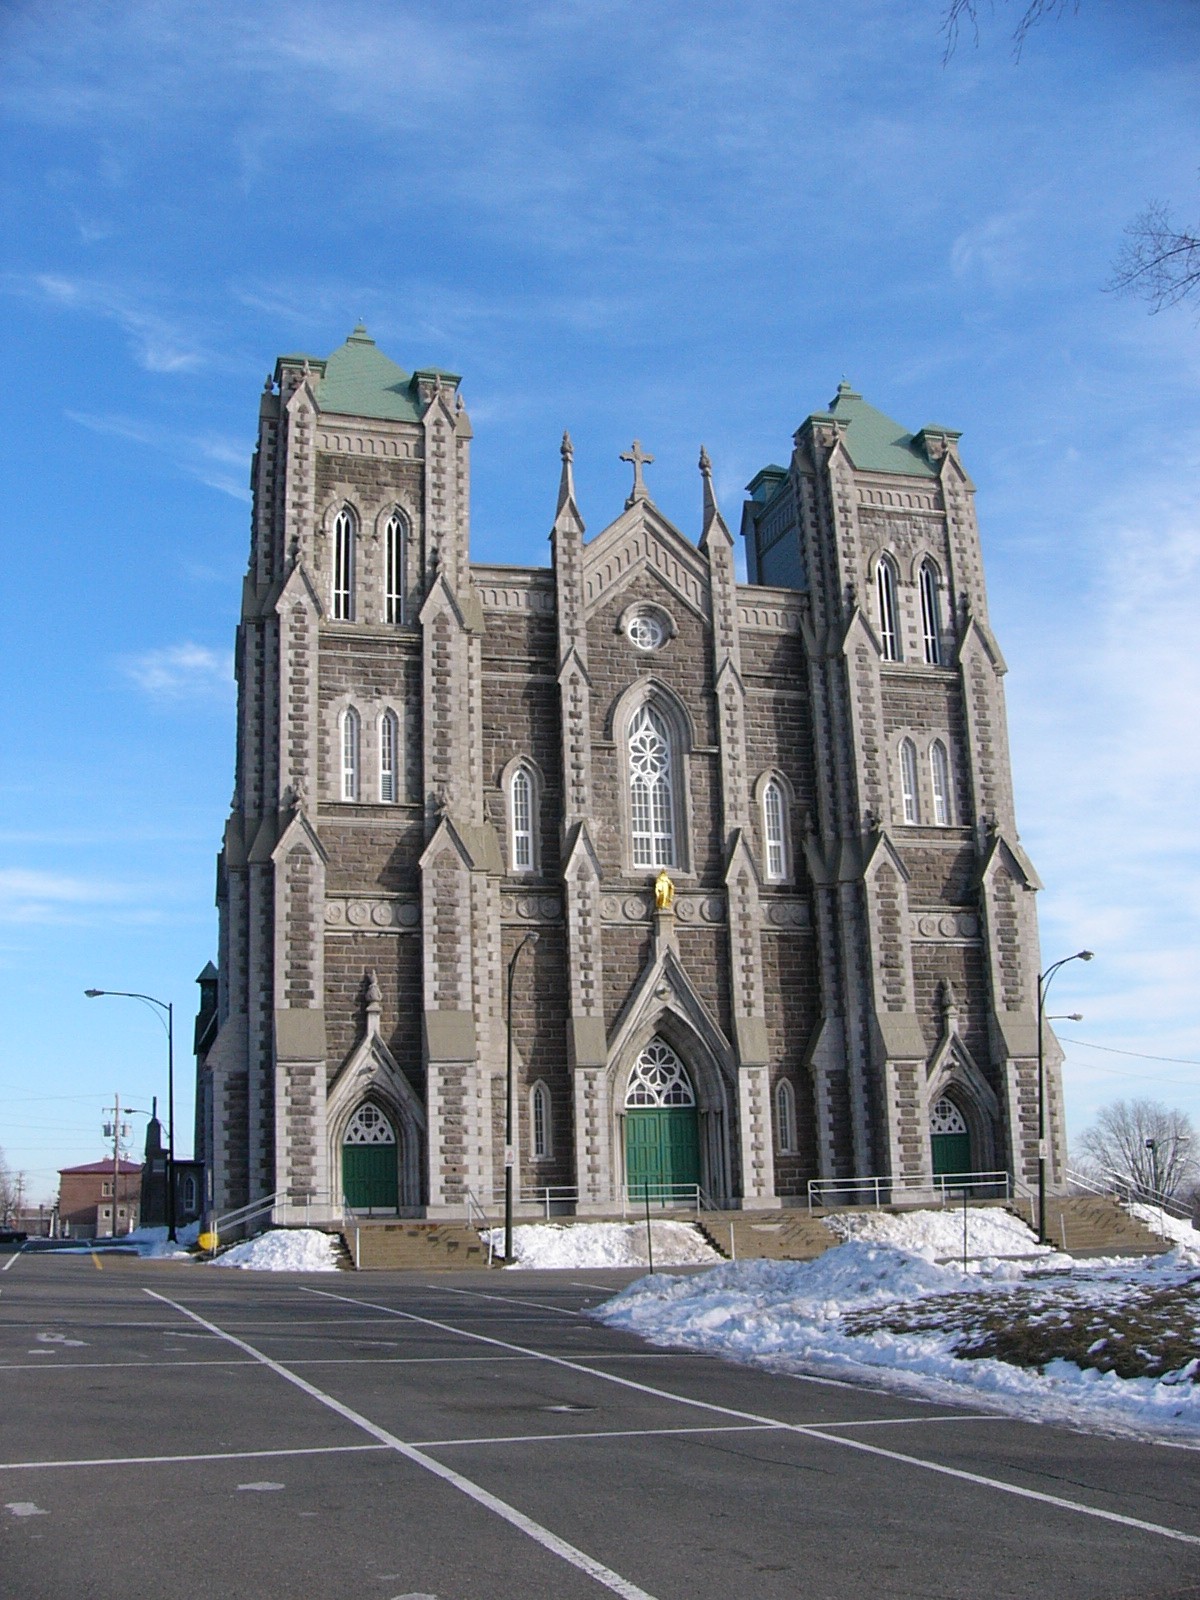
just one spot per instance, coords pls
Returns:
(160, 1461)
(811, 1430)
(509, 1300)
(534, 1530)
(449, 1444)
(10, 1260)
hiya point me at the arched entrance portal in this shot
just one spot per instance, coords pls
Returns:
(369, 1165)
(662, 1135)
(949, 1139)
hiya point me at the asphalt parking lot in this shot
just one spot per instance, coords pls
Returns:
(171, 1428)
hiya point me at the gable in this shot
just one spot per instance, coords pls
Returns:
(642, 540)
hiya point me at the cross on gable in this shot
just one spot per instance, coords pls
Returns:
(639, 459)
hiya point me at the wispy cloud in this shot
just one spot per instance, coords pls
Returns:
(219, 461)
(158, 343)
(181, 672)
(30, 896)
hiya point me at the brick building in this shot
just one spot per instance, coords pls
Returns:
(438, 756)
(85, 1198)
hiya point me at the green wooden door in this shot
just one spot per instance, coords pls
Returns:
(369, 1176)
(951, 1153)
(662, 1149)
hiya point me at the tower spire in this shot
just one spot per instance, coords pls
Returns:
(566, 486)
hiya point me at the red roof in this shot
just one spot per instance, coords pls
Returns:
(103, 1166)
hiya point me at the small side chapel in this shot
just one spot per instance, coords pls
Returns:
(763, 832)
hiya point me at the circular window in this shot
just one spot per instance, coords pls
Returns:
(646, 630)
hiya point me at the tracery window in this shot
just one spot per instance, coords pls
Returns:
(520, 806)
(651, 790)
(539, 1120)
(351, 744)
(658, 1078)
(947, 1118)
(939, 774)
(785, 1117)
(368, 1125)
(395, 547)
(885, 588)
(646, 630)
(908, 781)
(345, 538)
(931, 615)
(775, 831)
(389, 755)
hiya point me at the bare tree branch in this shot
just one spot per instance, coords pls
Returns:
(959, 12)
(1149, 1145)
(1157, 262)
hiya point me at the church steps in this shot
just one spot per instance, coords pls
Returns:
(1095, 1225)
(766, 1235)
(415, 1246)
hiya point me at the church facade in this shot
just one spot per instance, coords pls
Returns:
(763, 832)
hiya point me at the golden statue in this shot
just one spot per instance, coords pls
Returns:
(664, 892)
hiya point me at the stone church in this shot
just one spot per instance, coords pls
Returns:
(763, 832)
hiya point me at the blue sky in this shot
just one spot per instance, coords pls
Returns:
(680, 222)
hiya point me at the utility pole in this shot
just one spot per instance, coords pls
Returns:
(116, 1127)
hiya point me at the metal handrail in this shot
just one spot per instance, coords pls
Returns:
(882, 1189)
(1128, 1191)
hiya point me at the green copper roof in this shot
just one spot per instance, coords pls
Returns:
(875, 442)
(360, 381)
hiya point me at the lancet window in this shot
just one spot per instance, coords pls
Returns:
(345, 538)
(651, 790)
(885, 589)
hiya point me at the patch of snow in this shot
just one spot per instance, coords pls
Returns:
(284, 1250)
(545, 1245)
(152, 1243)
(1177, 1229)
(991, 1232)
(790, 1316)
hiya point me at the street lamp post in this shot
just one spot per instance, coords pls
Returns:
(1043, 986)
(509, 1154)
(166, 1006)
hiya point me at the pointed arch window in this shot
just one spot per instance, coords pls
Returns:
(775, 831)
(931, 615)
(345, 539)
(351, 742)
(651, 790)
(785, 1117)
(368, 1125)
(886, 592)
(939, 775)
(658, 1078)
(520, 819)
(541, 1129)
(389, 758)
(908, 781)
(395, 553)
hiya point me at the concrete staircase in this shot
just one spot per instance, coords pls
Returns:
(416, 1246)
(1094, 1225)
(767, 1235)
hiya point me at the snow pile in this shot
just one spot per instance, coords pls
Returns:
(153, 1242)
(604, 1244)
(1177, 1229)
(284, 1250)
(991, 1232)
(873, 1313)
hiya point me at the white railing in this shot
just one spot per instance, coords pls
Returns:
(888, 1190)
(1127, 1191)
(547, 1195)
(665, 1197)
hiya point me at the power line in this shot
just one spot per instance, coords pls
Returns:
(1140, 1055)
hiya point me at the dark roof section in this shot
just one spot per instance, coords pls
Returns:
(875, 443)
(129, 1167)
(358, 380)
